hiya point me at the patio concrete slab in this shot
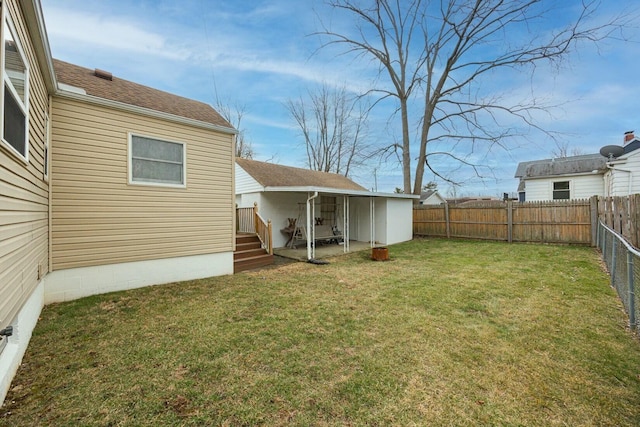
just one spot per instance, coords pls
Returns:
(322, 250)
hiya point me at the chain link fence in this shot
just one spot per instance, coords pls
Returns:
(623, 263)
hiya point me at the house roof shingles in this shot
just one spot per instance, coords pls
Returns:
(130, 93)
(272, 175)
(561, 166)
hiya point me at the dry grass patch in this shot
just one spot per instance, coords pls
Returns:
(446, 333)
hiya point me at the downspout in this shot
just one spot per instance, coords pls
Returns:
(50, 184)
(310, 253)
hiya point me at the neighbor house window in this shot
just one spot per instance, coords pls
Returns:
(156, 162)
(15, 90)
(561, 190)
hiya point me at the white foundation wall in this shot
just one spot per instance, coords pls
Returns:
(74, 283)
(23, 325)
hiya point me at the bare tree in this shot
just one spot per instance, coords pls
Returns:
(564, 149)
(234, 115)
(433, 56)
(431, 185)
(333, 126)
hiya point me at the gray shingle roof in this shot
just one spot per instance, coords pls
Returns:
(561, 166)
(272, 175)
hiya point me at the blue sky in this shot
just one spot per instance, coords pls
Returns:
(261, 53)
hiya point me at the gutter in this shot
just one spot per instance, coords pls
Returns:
(76, 96)
(328, 190)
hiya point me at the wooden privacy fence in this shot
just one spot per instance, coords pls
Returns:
(571, 221)
(622, 214)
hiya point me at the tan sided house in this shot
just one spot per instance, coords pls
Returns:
(104, 184)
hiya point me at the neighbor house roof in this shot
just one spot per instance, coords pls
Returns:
(272, 175)
(426, 194)
(561, 166)
(126, 92)
(429, 194)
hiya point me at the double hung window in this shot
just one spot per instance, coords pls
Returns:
(156, 162)
(15, 91)
(561, 190)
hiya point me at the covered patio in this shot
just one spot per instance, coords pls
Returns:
(319, 212)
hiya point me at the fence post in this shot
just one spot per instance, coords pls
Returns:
(634, 219)
(446, 219)
(604, 246)
(632, 296)
(612, 267)
(510, 221)
(593, 202)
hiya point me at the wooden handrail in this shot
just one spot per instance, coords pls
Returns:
(264, 232)
(250, 221)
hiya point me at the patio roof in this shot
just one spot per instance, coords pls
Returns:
(280, 178)
(343, 192)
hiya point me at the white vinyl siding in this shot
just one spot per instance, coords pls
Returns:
(581, 187)
(245, 183)
(624, 182)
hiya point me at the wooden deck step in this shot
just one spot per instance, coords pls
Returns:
(249, 253)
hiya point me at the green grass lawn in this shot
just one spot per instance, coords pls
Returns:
(446, 333)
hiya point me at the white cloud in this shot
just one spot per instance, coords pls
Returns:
(113, 32)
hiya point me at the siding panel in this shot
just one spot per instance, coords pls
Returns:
(24, 197)
(99, 218)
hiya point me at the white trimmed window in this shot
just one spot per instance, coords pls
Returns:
(561, 190)
(15, 90)
(155, 161)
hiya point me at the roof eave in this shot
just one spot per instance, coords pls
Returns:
(599, 172)
(35, 21)
(62, 93)
(346, 192)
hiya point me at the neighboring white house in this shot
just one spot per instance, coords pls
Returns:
(575, 177)
(580, 177)
(623, 173)
(431, 197)
(284, 192)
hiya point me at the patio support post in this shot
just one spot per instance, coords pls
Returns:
(345, 223)
(311, 206)
(372, 219)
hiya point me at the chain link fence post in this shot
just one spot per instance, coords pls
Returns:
(632, 296)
